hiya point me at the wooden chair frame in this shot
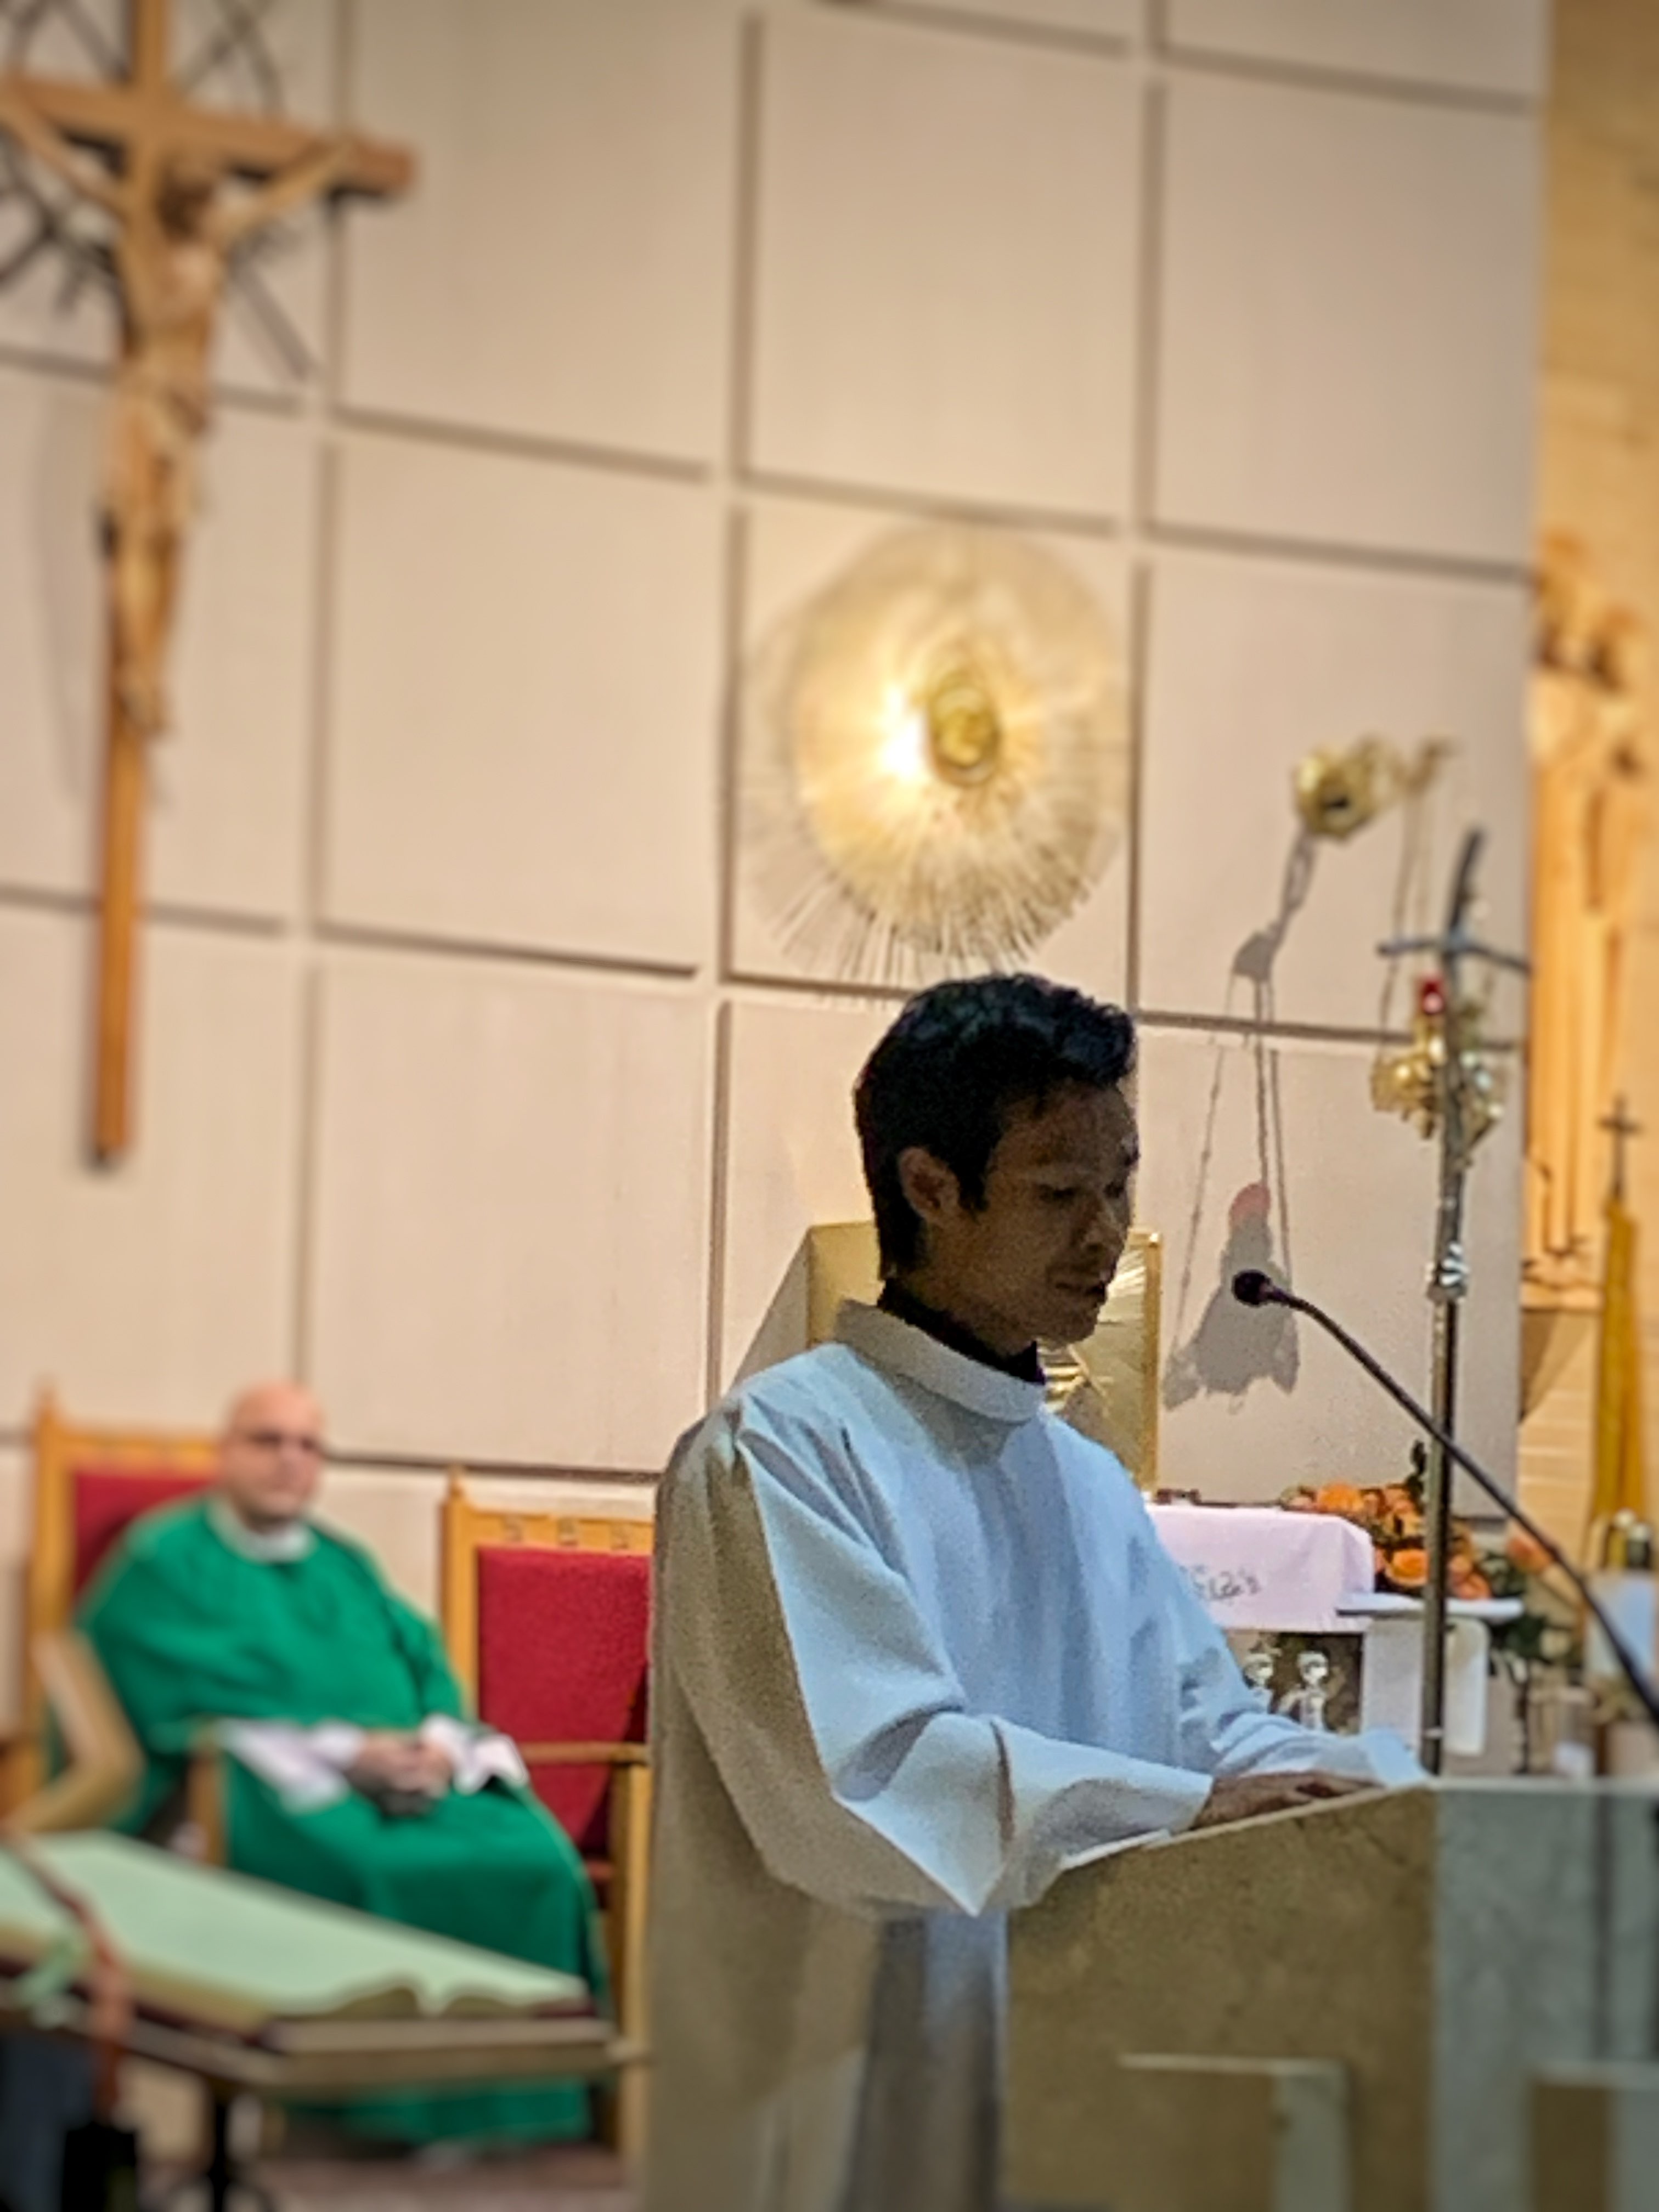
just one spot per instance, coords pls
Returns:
(49, 1593)
(466, 1529)
(103, 1765)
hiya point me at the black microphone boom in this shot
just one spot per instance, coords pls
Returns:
(1251, 1287)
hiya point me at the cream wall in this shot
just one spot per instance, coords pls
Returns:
(1599, 478)
(473, 1087)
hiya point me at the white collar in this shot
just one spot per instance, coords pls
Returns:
(268, 1548)
(904, 1349)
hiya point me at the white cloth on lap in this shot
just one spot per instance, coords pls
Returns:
(308, 1767)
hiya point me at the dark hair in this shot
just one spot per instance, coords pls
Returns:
(956, 1062)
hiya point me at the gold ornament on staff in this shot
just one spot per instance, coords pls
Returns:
(935, 761)
(1413, 1081)
(1445, 1084)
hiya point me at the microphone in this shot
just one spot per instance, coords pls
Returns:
(1252, 1287)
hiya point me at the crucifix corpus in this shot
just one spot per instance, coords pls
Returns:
(160, 169)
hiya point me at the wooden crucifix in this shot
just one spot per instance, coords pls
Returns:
(159, 173)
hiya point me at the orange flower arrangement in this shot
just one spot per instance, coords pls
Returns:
(1391, 1515)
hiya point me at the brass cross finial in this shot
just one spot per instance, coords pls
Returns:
(1622, 1129)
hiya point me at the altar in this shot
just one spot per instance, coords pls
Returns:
(1262, 1573)
(1257, 1567)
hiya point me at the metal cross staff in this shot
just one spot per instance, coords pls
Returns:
(1465, 1112)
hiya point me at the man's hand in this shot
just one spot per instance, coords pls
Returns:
(403, 1763)
(1248, 1796)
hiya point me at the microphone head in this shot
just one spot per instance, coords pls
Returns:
(1253, 1288)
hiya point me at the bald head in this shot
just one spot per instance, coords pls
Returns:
(270, 1454)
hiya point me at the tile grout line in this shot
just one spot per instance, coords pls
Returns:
(946, 22)
(309, 1071)
(340, 422)
(1147, 297)
(719, 1181)
(748, 59)
(1380, 84)
(1350, 84)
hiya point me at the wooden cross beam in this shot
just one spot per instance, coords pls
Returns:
(136, 115)
(158, 173)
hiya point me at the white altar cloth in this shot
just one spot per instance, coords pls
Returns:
(1260, 1568)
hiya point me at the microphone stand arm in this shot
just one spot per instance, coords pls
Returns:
(1634, 1672)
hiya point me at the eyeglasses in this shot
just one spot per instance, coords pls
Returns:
(272, 1440)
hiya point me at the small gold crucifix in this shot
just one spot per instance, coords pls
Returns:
(161, 177)
(1622, 1129)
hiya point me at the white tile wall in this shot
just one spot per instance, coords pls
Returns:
(394, 1512)
(227, 826)
(792, 1152)
(525, 704)
(560, 143)
(1220, 1118)
(944, 266)
(51, 669)
(1348, 319)
(1253, 665)
(1477, 45)
(511, 1212)
(147, 1294)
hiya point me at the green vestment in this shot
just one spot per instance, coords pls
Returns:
(191, 1630)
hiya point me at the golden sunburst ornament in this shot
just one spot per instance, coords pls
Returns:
(934, 763)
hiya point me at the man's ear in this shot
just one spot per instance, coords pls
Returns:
(931, 1190)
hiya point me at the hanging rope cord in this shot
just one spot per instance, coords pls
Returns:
(1253, 963)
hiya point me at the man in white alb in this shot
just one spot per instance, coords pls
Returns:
(919, 1651)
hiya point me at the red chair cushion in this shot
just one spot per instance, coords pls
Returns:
(564, 1641)
(106, 1499)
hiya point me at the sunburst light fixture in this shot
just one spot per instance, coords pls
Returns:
(934, 766)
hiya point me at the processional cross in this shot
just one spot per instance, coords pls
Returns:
(161, 177)
(1463, 1105)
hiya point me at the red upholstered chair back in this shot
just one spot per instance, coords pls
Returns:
(88, 1485)
(107, 1501)
(563, 1646)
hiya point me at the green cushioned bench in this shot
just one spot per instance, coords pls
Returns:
(253, 1987)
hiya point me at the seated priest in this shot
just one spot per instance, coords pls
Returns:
(920, 1650)
(351, 1770)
